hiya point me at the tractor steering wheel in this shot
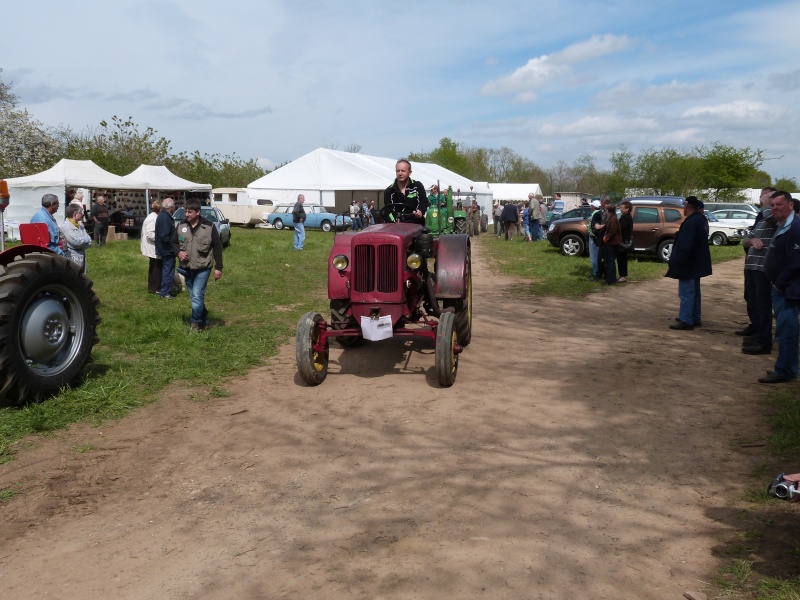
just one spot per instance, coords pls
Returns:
(395, 211)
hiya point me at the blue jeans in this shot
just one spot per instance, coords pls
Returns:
(167, 275)
(536, 231)
(299, 235)
(594, 256)
(196, 282)
(689, 294)
(758, 293)
(787, 330)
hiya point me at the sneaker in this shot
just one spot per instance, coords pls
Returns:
(681, 326)
(758, 349)
(773, 377)
(195, 327)
(168, 297)
(622, 280)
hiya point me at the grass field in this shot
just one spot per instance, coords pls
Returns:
(145, 345)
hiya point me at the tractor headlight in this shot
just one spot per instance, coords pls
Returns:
(339, 262)
(414, 261)
(450, 219)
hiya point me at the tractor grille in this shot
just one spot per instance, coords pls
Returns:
(375, 276)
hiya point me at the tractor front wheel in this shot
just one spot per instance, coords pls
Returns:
(312, 364)
(340, 320)
(446, 357)
(463, 308)
(460, 226)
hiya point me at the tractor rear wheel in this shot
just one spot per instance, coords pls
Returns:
(340, 320)
(48, 326)
(312, 364)
(446, 357)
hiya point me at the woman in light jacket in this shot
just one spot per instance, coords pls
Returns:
(75, 236)
(149, 249)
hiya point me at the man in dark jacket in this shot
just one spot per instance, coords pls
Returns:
(509, 218)
(783, 270)
(689, 261)
(408, 192)
(165, 229)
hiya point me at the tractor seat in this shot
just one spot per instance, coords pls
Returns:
(35, 234)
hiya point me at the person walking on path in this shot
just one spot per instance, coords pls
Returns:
(298, 222)
(198, 246)
(689, 261)
(509, 218)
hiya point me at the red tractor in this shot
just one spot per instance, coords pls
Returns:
(392, 280)
(48, 316)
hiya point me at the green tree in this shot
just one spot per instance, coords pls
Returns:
(219, 171)
(119, 146)
(786, 184)
(447, 155)
(621, 174)
(666, 171)
(27, 146)
(725, 170)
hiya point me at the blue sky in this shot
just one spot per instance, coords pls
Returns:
(274, 80)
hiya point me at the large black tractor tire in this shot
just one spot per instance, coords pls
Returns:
(311, 364)
(484, 223)
(340, 320)
(463, 314)
(460, 226)
(446, 357)
(48, 326)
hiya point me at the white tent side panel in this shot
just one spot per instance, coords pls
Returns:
(24, 203)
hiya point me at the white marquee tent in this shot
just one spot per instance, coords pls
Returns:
(515, 192)
(26, 192)
(325, 176)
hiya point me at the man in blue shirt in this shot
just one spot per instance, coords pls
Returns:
(45, 215)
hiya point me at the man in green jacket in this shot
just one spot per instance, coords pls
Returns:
(198, 246)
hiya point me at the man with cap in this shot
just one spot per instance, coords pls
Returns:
(690, 260)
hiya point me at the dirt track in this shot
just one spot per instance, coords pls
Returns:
(577, 456)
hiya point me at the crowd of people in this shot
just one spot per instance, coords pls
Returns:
(771, 279)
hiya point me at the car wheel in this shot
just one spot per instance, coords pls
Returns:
(572, 245)
(278, 224)
(718, 238)
(312, 364)
(227, 242)
(664, 250)
(326, 226)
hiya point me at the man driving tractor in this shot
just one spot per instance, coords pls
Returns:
(407, 192)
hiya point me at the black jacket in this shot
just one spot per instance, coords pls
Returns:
(690, 257)
(165, 228)
(415, 197)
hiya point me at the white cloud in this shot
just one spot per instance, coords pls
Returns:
(738, 110)
(635, 95)
(545, 70)
(599, 125)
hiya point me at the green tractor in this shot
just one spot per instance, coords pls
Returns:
(446, 213)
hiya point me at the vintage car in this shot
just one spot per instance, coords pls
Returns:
(317, 217)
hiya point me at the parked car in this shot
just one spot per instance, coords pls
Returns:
(715, 206)
(740, 218)
(722, 234)
(317, 217)
(656, 220)
(215, 216)
(582, 212)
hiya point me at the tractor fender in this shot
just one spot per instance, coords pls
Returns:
(451, 266)
(11, 253)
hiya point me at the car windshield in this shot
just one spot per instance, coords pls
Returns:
(210, 214)
(712, 217)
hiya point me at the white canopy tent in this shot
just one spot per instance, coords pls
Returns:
(514, 192)
(26, 192)
(325, 176)
(159, 177)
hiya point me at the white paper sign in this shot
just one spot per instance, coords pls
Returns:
(376, 329)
